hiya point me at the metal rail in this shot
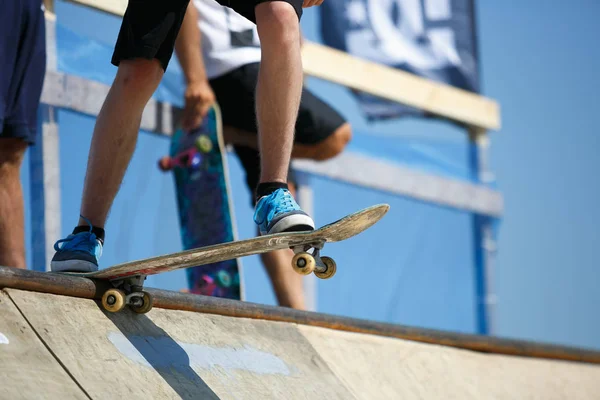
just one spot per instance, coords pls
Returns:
(92, 289)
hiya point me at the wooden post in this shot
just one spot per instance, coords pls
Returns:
(49, 6)
(45, 171)
(484, 241)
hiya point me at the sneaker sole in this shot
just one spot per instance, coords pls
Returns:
(73, 266)
(293, 223)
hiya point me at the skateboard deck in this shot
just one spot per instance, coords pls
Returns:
(128, 278)
(199, 164)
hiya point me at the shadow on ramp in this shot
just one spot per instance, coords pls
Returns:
(143, 342)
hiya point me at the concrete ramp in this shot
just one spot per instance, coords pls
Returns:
(54, 347)
(177, 354)
(28, 370)
(383, 368)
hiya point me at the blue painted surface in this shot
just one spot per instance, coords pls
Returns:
(545, 158)
(164, 353)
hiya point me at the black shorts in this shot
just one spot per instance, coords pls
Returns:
(235, 90)
(246, 7)
(22, 67)
(150, 27)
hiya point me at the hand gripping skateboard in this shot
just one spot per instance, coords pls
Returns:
(127, 278)
(199, 164)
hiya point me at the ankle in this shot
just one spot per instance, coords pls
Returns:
(99, 232)
(266, 188)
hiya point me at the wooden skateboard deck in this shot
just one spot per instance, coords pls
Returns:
(199, 164)
(128, 277)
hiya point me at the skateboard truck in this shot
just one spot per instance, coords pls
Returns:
(304, 262)
(127, 292)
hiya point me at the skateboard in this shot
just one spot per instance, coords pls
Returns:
(127, 279)
(199, 165)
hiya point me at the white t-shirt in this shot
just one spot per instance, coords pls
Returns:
(228, 39)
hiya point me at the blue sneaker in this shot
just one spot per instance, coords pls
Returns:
(78, 253)
(279, 212)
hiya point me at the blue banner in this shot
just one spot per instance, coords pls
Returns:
(435, 39)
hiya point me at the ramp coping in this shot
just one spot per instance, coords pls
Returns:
(81, 287)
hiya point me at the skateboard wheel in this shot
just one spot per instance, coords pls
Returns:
(113, 300)
(204, 144)
(330, 268)
(165, 163)
(303, 263)
(147, 303)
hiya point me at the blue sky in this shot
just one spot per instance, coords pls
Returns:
(539, 62)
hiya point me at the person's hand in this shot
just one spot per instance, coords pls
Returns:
(311, 3)
(199, 97)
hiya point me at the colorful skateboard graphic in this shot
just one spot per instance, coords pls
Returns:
(199, 165)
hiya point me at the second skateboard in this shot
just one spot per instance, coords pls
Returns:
(199, 164)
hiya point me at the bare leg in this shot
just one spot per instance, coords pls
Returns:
(279, 87)
(115, 136)
(328, 148)
(287, 284)
(12, 221)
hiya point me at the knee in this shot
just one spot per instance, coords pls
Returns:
(277, 24)
(336, 143)
(342, 137)
(11, 156)
(138, 74)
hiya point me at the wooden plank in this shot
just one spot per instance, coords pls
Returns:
(26, 365)
(51, 53)
(379, 174)
(382, 368)
(85, 96)
(86, 288)
(390, 83)
(44, 169)
(400, 86)
(178, 354)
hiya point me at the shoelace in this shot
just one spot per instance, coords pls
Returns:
(284, 202)
(85, 241)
